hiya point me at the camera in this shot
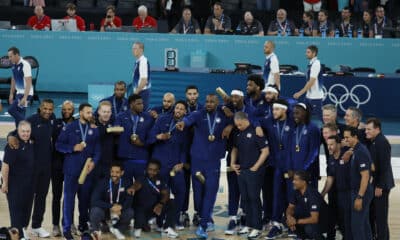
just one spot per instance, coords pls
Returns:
(108, 16)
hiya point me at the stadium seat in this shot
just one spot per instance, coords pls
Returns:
(162, 26)
(104, 3)
(364, 70)
(5, 3)
(249, 5)
(5, 25)
(231, 5)
(85, 3)
(18, 2)
(5, 80)
(63, 3)
(127, 4)
(397, 71)
(35, 73)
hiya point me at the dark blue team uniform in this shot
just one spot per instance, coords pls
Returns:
(107, 144)
(117, 105)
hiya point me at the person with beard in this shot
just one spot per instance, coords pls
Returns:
(111, 200)
(152, 199)
(281, 26)
(78, 141)
(271, 93)
(118, 101)
(167, 106)
(192, 96)
(42, 126)
(255, 96)
(211, 126)
(57, 175)
(280, 129)
(133, 147)
(103, 122)
(305, 142)
(338, 181)
(236, 105)
(17, 173)
(171, 147)
(271, 66)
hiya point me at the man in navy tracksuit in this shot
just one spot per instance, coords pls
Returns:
(167, 106)
(280, 129)
(118, 101)
(210, 126)
(57, 175)
(171, 149)
(360, 186)
(192, 96)
(42, 124)
(78, 141)
(133, 147)
(255, 96)
(247, 160)
(103, 122)
(110, 200)
(305, 144)
(236, 105)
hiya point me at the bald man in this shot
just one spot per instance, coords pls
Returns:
(167, 106)
(271, 66)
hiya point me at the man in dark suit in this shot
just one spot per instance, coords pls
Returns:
(380, 151)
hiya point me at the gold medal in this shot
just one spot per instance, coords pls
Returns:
(211, 138)
(134, 137)
(169, 134)
(280, 146)
(83, 143)
(297, 148)
(286, 175)
(172, 173)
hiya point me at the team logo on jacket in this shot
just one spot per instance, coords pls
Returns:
(141, 119)
(218, 120)
(305, 132)
(248, 135)
(90, 132)
(158, 182)
(287, 128)
(305, 200)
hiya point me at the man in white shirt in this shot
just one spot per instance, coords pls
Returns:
(271, 67)
(141, 74)
(314, 84)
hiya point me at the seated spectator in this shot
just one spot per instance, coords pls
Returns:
(110, 21)
(366, 25)
(34, 3)
(143, 20)
(151, 199)
(306, 210)
(308, 24)
(312, 5)
(187, 24)
(282, 26)
(71, 14)
(324, 27)
(380, 22)
(250, 26)
(219, 22)
(110, 200)
(40, 21)
(346, 26)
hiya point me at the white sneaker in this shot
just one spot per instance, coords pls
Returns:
(40, 232)
(170, 233)
(137, 233)
(244, 230)
(254, 234)
(179, 227)
(25, 234)
(56, 231)
(117, 233)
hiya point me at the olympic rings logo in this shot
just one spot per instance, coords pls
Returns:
(339, 94)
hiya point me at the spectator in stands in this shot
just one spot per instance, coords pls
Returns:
(346, 25)
(219, 22)
(110, 21)
(366, 25)
(71, 14)
(250, 26)
(308, 24)
(40, 21)
(324, 27)
(34, 3)
(282, 26)
(380, 22)
(312, 5)
(187, 24)
(171, 10)
(143, 20)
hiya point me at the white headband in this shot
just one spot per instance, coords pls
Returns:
(237, 92)
(270, 89)
(279, 105)
(302, 105)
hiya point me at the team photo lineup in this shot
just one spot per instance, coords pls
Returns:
(136, 168)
